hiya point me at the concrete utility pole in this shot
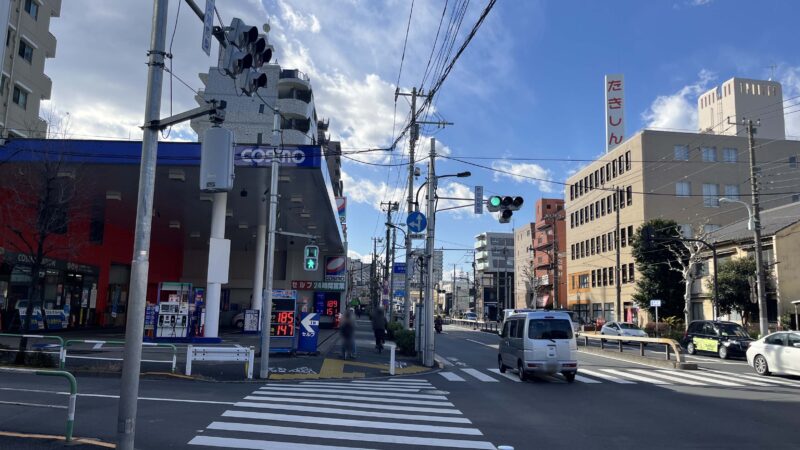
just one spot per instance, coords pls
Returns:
(134, 325)
(373, 281)
(266, 302)
(617, 199)
(390, 206)
(412, 141)
(428, 350)
(763, 320)
(554, 261)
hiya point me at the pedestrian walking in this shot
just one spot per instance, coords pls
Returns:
(347, 330)
(379, 327)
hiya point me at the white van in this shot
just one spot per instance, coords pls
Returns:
(539, 342)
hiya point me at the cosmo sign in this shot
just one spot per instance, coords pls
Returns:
(262, 156)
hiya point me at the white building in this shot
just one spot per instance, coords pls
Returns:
(23, 84)
(495, 266)
(742, 97)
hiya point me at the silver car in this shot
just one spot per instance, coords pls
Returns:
(622, 329)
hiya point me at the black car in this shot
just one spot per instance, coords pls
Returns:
(723, 338)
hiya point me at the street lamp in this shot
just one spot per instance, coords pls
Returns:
(754, 225)
(746, 205)
(455, 175)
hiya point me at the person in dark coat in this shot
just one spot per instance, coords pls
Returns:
(348, 331)
(379, 327)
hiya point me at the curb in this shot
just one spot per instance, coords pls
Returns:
(73, 442)
(639, 359)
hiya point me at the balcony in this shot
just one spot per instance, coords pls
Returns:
(294, 108)
(545, 244)
(294, 77)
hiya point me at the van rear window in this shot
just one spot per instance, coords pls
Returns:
(549, 329)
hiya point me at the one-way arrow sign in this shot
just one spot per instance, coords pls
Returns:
(308, 322)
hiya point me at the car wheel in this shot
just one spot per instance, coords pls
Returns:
(722, 352)
(570, 376)
(690, 348)
(760, 365)
(603, 340)
(500, 364)
(521, 373)
(240, 324)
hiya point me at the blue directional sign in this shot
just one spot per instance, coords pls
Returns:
(416, 222)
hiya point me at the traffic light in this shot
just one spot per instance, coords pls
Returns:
(245, 53)
(311, 258)
(506, 205)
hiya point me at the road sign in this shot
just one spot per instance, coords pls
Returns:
(309, 331)
(399, 267)
(208, 26)
(478, 199)
(416, 235)
(416, 222)
(655, 303)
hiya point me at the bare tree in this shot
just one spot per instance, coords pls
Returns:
(532, 283)
(688, 257)
(42, 197)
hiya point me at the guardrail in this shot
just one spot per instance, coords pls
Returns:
(98, 344)
(488, 326)
(221, 354)
(73, 394)
(667, 343)
(37, 336)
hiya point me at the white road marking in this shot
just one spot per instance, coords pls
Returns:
(451, 376)
(362, 387)
(396, 426)
(350, 412)
(393, 384)
(606, 376)
(494, 346)
(671, 377)
(587, 380)
(506, 375)
(337, 390)
(370, 437)
(253, 444)
(315, 401)
(730, 377)
(772, 380)
(706, 378)
(480, 375)
(350, 397)
(622, 374)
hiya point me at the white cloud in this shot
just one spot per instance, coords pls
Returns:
(790, 80)
(369, 192)
(455, 189)
(678, 111)
(523, 173)
(299, 21)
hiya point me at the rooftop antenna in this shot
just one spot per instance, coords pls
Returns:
(772, 70)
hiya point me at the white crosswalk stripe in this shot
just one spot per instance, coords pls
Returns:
(636, 377)
(450, 376)
(506, 375)
(604, 376)
(296, 416)
(479, 375)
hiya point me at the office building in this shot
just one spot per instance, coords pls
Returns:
(670, 175)
(23, 83)
(495, 271)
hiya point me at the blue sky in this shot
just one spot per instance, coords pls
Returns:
(530, 85)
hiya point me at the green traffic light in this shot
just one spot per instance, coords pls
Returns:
(494, 201)
(311, 264)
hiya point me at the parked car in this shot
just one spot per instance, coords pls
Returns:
(539, 342)
(470, 316)
(622, 329)
(238, 320)
(776, 353)
(723, 338)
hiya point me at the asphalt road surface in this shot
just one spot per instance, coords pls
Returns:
(469, 404)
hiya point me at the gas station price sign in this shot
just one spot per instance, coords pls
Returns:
(282, 320)
(331, 307)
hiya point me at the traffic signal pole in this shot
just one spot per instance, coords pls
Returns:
(428, 348)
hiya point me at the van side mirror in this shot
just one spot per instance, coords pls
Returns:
(797, 344)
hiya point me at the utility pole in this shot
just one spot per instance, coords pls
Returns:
(373, 279)
(454, 299)
(134, 329)
(617, 236)
(554, 260)
(474, 283)
(412, 141)
(763, 320)
(428, 349)
(390, 206)
(391, 271)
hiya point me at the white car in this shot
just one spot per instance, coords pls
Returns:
(622, 329)
(776, 353)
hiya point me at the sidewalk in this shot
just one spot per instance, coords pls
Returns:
(328, 363)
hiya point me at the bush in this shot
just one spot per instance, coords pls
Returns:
(405, 342)
(660, 328)
(392, 328)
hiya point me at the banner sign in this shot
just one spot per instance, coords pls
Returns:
(335, 268)
(309, 332)
(307, 156)
(302, 285)
(615, 113)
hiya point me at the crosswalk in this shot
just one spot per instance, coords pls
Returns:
(332, 415)
(651, 376)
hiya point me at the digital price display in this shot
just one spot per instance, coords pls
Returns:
(282, 320)
(332, 307)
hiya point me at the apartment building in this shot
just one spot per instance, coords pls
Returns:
(23, 83)
(550, 242)
(494, 259)
(526, 282)
(670, 175)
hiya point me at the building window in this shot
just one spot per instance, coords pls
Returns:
(597, 311)
(681, 153)
(630, 272)
(602, 176)
(614, 168)
(795, 198)
(732, 191)
(32, 8)
(591, 212)
(730, 155)
(793, 162)
(261, 108)
(628, 160)
(594, 279)
(583, 281)
(610, 241)
(3, 84)
(610, 276)
(580, 214)
(605, 277)
(621, 198)
(623, 237)
(682, 189)
(572, 192)
(20, 97)
(629, 192)
(710, 195)
(608, 312)
(591, 246)
(630, 234)
(25, 51)
(624, 274)
(608, 171)
(709, 154)
(604, 242)
(621, 165)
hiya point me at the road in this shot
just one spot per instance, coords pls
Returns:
(469, 404)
